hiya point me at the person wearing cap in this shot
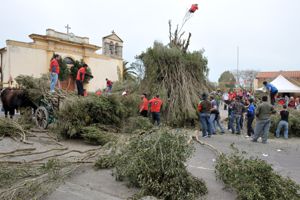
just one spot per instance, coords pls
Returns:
(204, 108)
(272, 90)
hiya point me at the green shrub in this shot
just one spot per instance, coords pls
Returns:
(254, 179)
(77, 112)
(106, 161)
(137, 123)
(94, 135)
(154, 162)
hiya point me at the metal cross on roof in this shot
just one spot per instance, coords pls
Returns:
(68, 28)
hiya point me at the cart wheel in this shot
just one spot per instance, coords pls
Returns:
(41, 117)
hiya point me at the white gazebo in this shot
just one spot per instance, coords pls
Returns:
(283, 85)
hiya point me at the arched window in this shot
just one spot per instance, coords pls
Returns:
(69, 61)
(111, 48)
(117, 49)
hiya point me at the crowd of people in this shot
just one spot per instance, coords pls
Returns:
(240, 104)
(243, 106)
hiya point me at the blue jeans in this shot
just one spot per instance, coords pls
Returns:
(205, 124)
(218, 124)
(237, 120)
(212, 123)
(156, 117)
(285, 125)
(53, 81)
(262, 130)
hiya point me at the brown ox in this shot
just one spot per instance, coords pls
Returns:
(13, 99)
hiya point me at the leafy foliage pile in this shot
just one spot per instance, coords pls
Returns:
(154, 162)
(138, 123)
(11, 128)
(255, 179)
(178, 76)
(64, 71)
(294, 122)
(94, 135)
(77, 113)
(30, 181)
(35, 88)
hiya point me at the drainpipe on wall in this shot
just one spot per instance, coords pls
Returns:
(1, 64)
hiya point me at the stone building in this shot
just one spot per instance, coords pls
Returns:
(33, 58)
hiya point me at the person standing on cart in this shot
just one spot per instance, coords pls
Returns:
(54, 71)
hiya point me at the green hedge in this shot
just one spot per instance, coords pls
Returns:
(255, 179)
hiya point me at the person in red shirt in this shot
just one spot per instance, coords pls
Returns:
(54, 71)
(144, 106)
(292, 103)
(193, 8)
(109, 84)
(80, 78)
(156, 104)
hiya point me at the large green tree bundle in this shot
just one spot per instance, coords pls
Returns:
(155, 163)
(78, 112)
(255, 179)
(35, 88)
(178, 76)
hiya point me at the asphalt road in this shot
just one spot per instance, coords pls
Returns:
(282, 154)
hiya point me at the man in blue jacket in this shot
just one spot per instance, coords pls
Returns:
(250, 117)
(272, 90)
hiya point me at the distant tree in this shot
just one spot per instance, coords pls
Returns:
(245, 78)
(128, 73)
(227, 80)
(139, 68)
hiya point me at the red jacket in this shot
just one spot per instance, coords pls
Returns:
(80, 74)
(156, 104)
(144, 104)
(54, 66)
(108, 83)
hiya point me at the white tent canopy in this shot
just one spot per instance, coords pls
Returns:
(283, 85)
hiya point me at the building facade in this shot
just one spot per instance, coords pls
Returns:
(21, 58)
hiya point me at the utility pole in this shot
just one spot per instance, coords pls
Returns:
(237, 64)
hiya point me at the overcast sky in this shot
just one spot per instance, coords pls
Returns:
(266, 31)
